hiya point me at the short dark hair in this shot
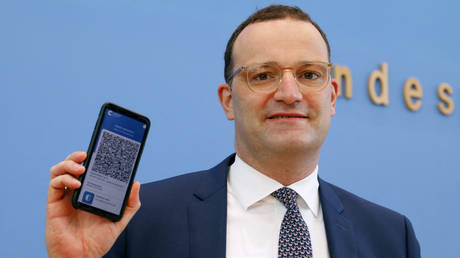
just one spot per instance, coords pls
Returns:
(272, 12)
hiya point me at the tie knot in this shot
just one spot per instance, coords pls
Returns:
(286, 196)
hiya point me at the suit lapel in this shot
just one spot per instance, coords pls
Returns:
(207, 215)
(339, 229)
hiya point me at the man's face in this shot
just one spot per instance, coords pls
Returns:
(287, 120)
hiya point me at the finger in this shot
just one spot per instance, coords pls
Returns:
(132, 206)
(66, 167)
(77, 156)
(57, 185)
(63, 181)
(134, 200)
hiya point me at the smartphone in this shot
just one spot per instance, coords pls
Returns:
(113, 155)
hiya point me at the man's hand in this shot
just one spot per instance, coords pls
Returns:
(76, 233)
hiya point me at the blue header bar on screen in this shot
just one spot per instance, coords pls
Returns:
(123, 125)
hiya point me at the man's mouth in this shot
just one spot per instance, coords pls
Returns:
(284, 116)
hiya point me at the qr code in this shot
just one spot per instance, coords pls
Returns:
(115, 156)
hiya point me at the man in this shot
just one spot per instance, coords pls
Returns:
(266, 200)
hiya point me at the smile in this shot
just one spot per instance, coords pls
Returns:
(285, 116)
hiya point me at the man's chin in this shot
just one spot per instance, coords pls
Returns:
(292, 145)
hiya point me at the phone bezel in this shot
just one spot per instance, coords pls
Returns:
(78, 205)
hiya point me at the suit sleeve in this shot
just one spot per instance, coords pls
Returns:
(413, 247)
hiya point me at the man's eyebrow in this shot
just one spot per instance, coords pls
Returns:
(311, 61)
(264, 63)
(303, 62)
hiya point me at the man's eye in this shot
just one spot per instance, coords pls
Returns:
(309, 76)
(262, 77)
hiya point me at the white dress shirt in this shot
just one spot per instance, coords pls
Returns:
(254, 216)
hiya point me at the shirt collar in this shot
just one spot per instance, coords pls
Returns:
(250, 186)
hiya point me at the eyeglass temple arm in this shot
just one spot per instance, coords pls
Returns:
(229, 78)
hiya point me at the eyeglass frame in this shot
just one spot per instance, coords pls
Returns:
(245, 67)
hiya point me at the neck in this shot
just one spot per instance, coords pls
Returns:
(286, 167)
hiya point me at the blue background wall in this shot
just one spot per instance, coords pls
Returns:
(60, 60)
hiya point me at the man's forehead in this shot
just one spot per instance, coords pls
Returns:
(285, 39)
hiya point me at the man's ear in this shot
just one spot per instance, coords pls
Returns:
(225, 97)
(334, 91)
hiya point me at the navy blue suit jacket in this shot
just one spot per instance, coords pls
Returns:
(186, 216)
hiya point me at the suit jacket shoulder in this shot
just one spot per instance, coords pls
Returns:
(357, 206)
(360, 228)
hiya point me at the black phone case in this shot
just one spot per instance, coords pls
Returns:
(124, 111)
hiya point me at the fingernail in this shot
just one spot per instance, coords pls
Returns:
(77, 183)
(77, 166)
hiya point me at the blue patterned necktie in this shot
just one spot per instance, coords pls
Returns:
(294, 236)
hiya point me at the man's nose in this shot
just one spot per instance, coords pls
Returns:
(288, 90)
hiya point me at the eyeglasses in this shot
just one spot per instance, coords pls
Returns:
(265, 78)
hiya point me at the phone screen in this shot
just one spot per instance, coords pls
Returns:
(112, 161)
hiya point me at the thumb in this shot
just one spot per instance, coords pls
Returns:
(132, 206)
